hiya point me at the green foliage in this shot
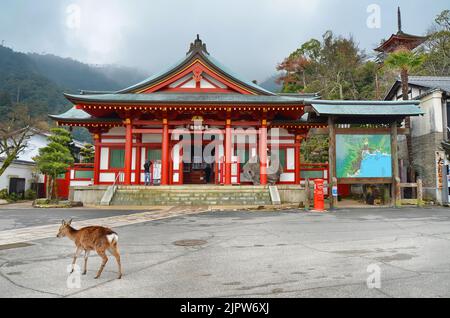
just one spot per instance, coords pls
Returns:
(404, 60)
(334, 67)
(314, 149)
(39, 81)
(4, 194)
(87, 153)
(437, 48)
(55, 158)
(30, 194)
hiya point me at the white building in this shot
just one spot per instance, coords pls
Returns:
(427, 131)
(21, 175)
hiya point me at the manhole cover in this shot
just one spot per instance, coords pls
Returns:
(189, 242)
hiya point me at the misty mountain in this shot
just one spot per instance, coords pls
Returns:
(271, 85)
(39, 81)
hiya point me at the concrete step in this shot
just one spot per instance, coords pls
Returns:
(192, 195)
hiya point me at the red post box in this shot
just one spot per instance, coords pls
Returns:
(319, 204)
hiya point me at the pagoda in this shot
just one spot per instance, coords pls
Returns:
(400, 40)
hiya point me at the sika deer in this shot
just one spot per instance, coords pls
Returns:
(90, 238)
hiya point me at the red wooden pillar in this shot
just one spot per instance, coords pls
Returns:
(263, 152)
(128, 151)
(298, 140)
(137, 173)
(165, 153)
(97, 158)
(228, 153)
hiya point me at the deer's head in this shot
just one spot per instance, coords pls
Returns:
(64, 228)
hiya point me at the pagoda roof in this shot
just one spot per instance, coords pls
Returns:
(197, 52)
(183, 98)
(75, 115)
(400, 39)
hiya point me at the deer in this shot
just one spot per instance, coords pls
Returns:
(90, 238)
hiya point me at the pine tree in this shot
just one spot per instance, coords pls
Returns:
(55, 159)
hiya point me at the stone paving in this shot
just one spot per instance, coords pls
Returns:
(46, 231)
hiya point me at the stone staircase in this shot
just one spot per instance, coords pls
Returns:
(191, 195)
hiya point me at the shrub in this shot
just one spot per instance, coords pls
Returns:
(4, 195)
(30, 194)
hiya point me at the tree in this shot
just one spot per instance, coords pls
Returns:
(55, 159)
(404, 61)
(334, 67)
(437, 47)
(15, 131)
(87, 153)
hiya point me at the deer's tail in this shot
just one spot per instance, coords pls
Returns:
(112, 238)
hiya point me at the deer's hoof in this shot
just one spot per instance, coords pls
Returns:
(84, 273)
(97, 277)
(119, 277)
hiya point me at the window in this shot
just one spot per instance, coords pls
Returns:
(281, 153)
(84, 174)
(154, 154)
(243, 155)
(117, 158)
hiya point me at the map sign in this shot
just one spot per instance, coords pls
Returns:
(363, 156)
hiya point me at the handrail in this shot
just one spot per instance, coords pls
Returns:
(117, 177)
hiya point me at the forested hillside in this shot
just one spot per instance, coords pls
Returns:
(38, 82)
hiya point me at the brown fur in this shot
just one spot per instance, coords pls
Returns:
(88, 239)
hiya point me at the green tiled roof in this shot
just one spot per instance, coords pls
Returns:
(185, 98)
(79, 115)
(367, 108)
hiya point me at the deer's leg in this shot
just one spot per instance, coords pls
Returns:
(102, 254)
(77, 254)
(86, 256)
(115, 252)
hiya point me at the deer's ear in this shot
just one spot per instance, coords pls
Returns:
(70, 222)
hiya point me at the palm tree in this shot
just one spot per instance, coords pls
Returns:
(405, 61)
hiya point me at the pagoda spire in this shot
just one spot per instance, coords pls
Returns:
(399, 20)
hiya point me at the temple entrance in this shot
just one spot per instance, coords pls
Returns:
(200, 169)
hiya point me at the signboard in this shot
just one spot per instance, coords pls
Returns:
(363, 156)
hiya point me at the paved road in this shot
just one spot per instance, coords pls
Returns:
(246, 254)
(16, 218)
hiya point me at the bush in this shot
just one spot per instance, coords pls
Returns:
(30, 194)
(13, 197)
(4, 195)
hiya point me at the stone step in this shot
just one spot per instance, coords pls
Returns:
(192, 195)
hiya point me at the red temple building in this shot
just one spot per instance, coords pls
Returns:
(200, 107)
(137, 123)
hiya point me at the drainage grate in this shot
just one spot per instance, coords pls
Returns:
(14, 245)
(189, 242)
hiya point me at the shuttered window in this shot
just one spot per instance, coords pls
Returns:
(154, 154)
(117, 158)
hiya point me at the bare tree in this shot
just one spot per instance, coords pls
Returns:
(15, 131)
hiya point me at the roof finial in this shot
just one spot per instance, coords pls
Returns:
(399, 20)
(197, 46)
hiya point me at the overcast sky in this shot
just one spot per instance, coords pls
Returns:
(249, 36)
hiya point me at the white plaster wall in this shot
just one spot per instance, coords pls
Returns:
(151, 138)
(17, 171)
(104, 156)
(431, 121)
